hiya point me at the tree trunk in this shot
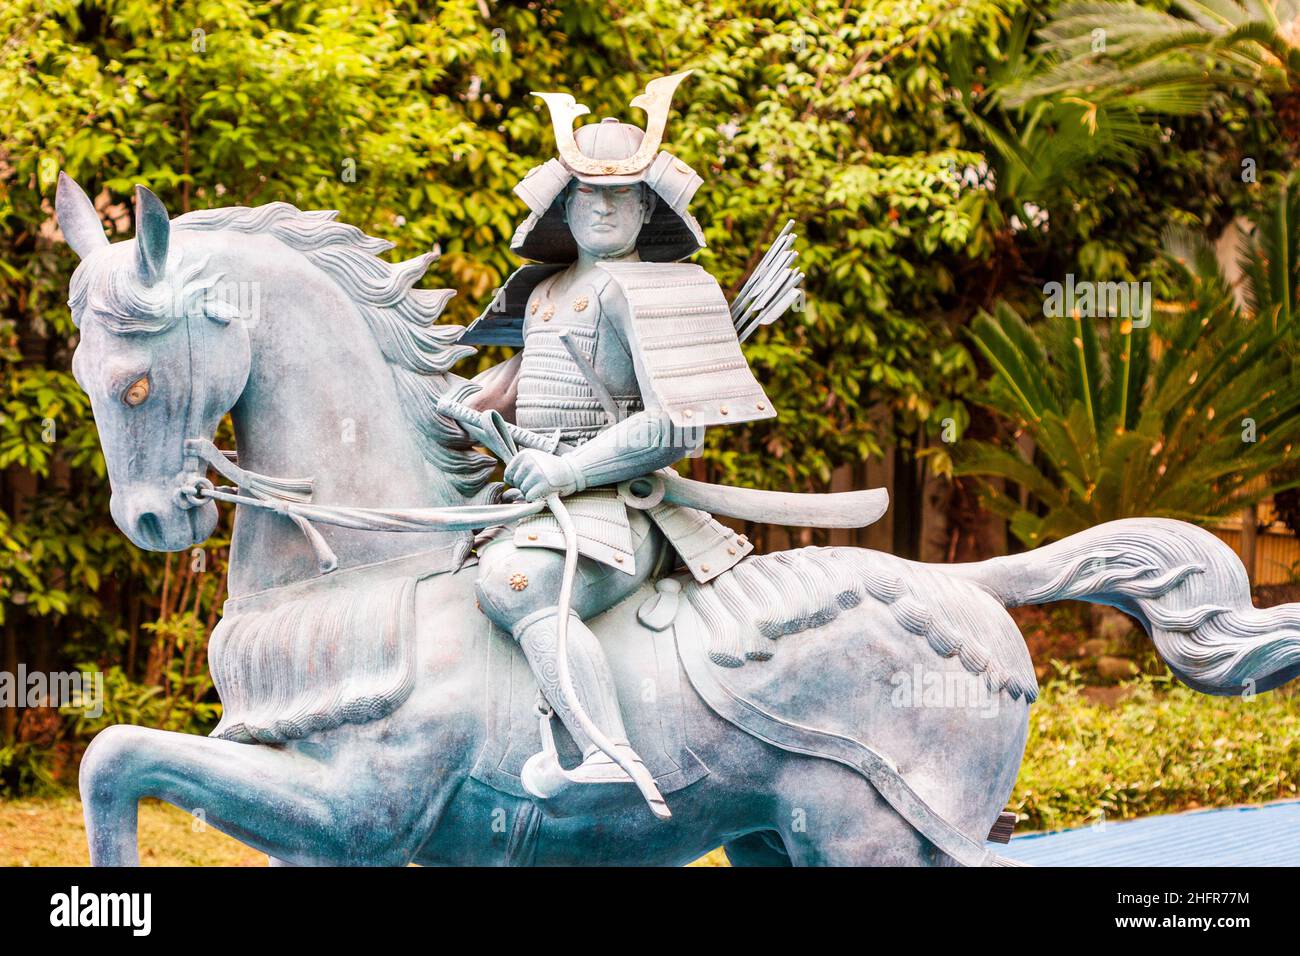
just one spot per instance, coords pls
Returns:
(907, 505)
(1249, 540)
(10, 714)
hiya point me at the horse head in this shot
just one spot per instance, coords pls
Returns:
(162, 358)
(328, 358)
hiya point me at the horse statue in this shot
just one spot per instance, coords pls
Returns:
(816, 706)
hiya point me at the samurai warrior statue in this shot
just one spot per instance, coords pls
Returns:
(628, 354)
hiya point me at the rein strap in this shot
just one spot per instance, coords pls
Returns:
(291, 497)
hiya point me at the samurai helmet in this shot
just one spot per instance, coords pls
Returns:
(610, 153)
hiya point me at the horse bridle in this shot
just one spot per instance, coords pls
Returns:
(291, 497)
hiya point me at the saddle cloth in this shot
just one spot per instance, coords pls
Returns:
(651, 639)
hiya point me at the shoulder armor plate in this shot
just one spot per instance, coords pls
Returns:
(502, 322)
(688, 353)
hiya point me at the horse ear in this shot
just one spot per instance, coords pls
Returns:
(153, 232)
(78, 220)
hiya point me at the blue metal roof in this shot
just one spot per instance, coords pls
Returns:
(1267, 835)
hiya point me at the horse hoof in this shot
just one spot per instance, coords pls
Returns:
(542, 776)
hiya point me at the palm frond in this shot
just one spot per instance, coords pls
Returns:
(1124, 55)
(1151, 421)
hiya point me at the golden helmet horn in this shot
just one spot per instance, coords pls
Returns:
(655, 102)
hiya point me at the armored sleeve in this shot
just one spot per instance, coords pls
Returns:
(636, 446)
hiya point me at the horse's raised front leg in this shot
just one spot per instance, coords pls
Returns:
(279, 801)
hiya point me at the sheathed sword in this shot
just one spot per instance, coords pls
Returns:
(843, 509)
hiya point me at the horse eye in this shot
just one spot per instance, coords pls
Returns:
(137, 392)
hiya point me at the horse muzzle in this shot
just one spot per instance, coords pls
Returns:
(156, 520)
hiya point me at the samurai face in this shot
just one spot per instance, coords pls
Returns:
(606, 220)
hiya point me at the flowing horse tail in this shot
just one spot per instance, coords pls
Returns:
(1186, 587)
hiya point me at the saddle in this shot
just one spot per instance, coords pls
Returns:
(673, 640)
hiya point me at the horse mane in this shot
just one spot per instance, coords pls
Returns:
(401, 318)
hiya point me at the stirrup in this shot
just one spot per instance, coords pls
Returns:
(544, 777)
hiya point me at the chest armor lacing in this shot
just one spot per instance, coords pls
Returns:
(553, 392)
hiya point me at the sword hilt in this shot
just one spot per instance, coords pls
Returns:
(472, 419)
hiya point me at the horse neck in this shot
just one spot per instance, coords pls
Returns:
(321, 403)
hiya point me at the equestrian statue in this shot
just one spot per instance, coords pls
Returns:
(584, 663)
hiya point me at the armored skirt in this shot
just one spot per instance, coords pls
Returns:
(603, 523)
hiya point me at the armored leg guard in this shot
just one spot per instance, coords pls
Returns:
(594, 686)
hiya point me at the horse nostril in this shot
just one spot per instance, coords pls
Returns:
(149, 528)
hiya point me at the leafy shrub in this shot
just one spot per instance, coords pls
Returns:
(1165, 748)
(37, 768)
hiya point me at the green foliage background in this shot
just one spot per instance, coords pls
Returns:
(1165, 749)
(878, 125)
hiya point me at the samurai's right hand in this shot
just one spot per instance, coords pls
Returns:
(540, 475)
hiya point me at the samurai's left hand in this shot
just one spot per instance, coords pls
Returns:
(539, 475)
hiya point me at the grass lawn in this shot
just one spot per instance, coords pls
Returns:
(1141, 749)
(49, 831)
